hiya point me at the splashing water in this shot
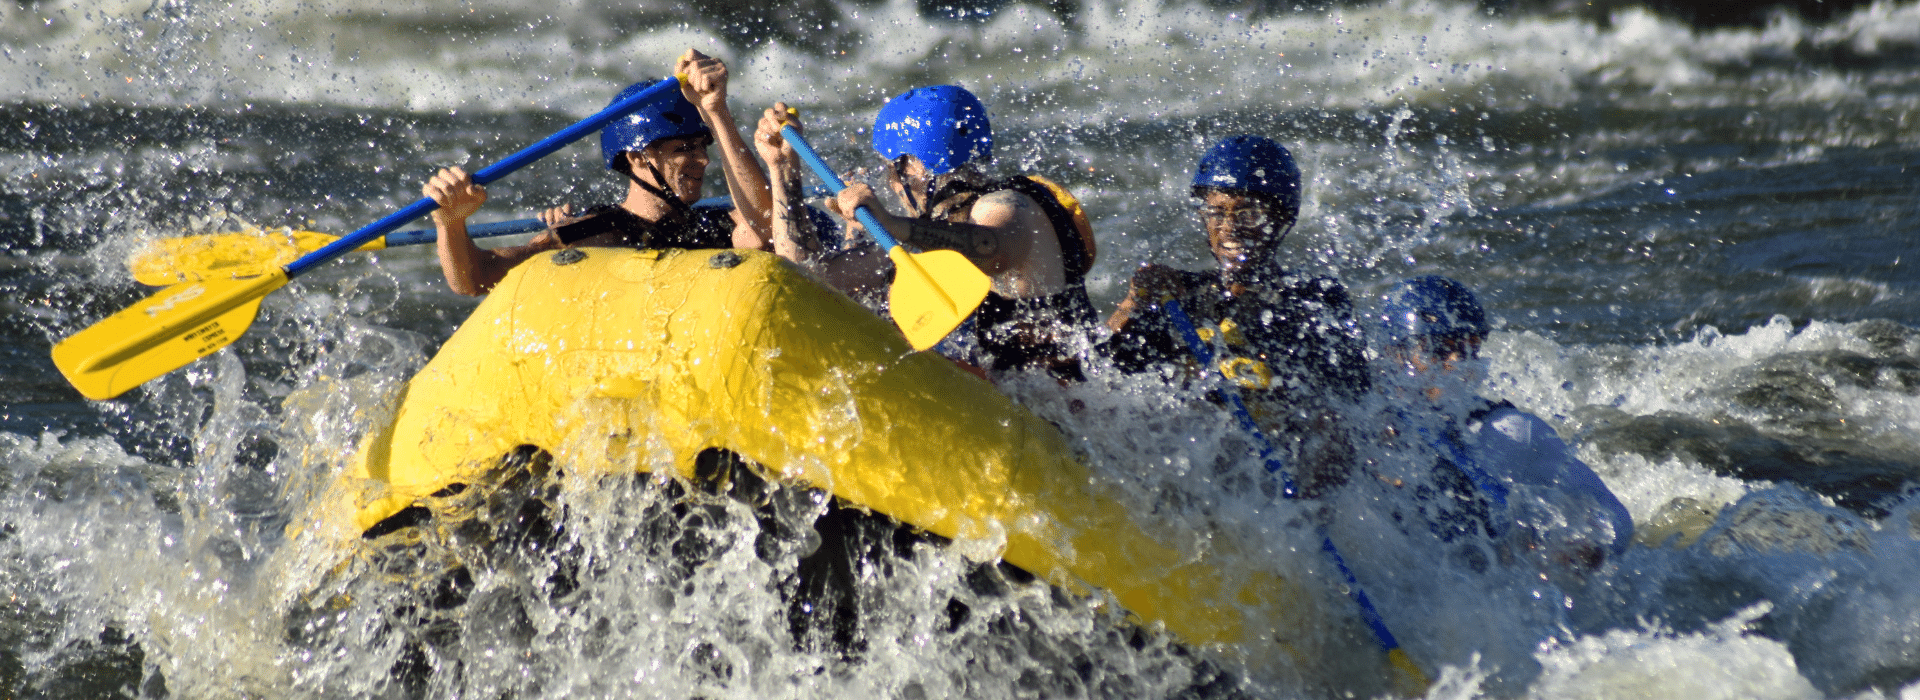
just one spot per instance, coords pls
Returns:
(1692, 243)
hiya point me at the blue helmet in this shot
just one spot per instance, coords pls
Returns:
(1434, 307)
(661, 119)
(1251, 164)
(944, 126)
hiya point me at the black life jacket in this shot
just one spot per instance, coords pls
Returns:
(1030, 333)
(1294, 336)
(692, 228)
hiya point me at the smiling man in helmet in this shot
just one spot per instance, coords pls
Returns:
(1288, 341)
(662, 151)
(1026, 233)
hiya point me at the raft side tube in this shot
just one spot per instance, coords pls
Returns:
(605, 358)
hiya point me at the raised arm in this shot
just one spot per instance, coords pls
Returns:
(469, 269)
(705, 86)
(860, 271)
(794, 237)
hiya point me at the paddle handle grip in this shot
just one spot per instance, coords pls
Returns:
(835, 184)
(488, 174)
(1268, 454)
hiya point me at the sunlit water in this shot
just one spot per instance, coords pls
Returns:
(1693, 245)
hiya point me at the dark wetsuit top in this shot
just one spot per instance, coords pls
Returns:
(1298, 335)
(702, 228)
(1031, 333)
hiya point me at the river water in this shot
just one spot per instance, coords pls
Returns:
(1692, 243)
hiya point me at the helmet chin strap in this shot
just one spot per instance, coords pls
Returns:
(666, 195)
(906, 191)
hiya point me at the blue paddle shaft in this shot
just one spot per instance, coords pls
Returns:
(1204, 352)
(1368, 614)
(835, 184)
(1466, 464)
(507, 228)
(519, 160)
(1268, 454)
(504, 228)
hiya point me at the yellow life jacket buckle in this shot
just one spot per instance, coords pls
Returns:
(1247, 372)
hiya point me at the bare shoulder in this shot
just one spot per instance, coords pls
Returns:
(1005, 208)
(1009, 199)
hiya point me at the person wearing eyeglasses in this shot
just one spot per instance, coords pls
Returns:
(1501, 476)
(1028, 234)
(1289, 341)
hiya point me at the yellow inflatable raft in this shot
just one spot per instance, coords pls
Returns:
(610, 358)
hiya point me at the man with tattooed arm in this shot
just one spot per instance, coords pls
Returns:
(1026, 233)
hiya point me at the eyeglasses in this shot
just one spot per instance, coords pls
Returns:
(1244, 216)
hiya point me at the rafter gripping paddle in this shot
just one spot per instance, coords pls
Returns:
(932, 292)
(188, 321)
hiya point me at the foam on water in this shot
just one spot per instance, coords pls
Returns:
(1720, 662)
(1113, 60)
(198, 556)
(199, 567)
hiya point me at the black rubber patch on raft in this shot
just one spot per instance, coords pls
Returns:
(569, 256)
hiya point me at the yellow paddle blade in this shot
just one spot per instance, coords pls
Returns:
(225, 255)
(933, 292)
(175, 326)
(1408, 680)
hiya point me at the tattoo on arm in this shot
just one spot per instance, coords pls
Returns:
(975, 242)
(793, 214)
